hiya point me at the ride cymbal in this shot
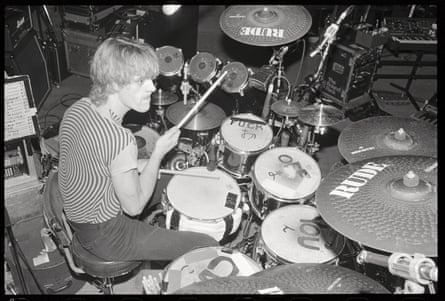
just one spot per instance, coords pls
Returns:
(163, 98)
(210, 116)
(387, 203)
(285, 108)
(320, 115)
(387, 136)
(265, 25)
(312, 278)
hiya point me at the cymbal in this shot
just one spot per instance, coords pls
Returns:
(285, 108)
(265, 25)
(320, 115)
(387, 203)
(387, 136)
(210, 116)
(311, 278)
(239, 285)
(163, 98)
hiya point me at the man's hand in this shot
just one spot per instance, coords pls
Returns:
(167, 141)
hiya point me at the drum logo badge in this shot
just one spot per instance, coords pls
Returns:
(309, 231)
(262, 32)
(357, 179)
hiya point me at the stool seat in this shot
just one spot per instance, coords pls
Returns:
(98, 267)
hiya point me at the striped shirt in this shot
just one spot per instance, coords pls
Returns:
(89, 143)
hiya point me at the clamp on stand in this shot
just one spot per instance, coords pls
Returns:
(418, 270)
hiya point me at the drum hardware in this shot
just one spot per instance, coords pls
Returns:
(393, 196)
(282, 176)
(417, 270)
(188, 153)
(387, 136)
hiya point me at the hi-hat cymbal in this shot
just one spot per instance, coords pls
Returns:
(210, 116)
(387, 203)
(320, 115)
(163, 98)
(239, 285)
(312, 278)
(285, 108)
(265, 25)
(387, 136)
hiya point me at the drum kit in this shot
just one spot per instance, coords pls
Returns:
(295, 230)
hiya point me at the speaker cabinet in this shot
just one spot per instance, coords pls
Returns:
(28, 58)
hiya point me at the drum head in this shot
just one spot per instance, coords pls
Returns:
(204, 198)
(204, 264)
(203, 67)
(244, 136)
(236, 78)
(145, 139)
(293, 233)
(170, 59)
(287, 173)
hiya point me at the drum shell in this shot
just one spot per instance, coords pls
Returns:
(238, 161)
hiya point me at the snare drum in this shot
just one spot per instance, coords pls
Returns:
(244, 137)
(171, 60)
(282, 176)
(205, 205)
(203, 67)
(205, 264)
(296, 234)
(236, 79)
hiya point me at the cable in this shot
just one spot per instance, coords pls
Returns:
(303, 54)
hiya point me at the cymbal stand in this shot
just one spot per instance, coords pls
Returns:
(417, 270)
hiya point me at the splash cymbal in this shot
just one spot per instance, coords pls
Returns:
(387, 203)
(320, 115)
(285, 108)
(210, 116)
(311, 278)
(265, 25)
(163, 98)
(387, 136)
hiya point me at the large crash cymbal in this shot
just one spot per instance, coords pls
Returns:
(320, 115)
(387, 136)
(285, 108)
(387, 203)
(163, 98)
(265, 25)
(209, 116)
(239, 285)
(312, 278)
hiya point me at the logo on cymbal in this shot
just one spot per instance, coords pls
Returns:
(262, 32)
(357, 179)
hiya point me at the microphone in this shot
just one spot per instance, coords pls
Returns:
(170, 9)
(331, 31)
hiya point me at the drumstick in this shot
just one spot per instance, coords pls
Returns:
(187, 173)
(196, 106)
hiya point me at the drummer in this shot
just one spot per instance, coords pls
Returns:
(102, 191)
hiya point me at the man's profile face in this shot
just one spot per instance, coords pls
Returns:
(137, 94)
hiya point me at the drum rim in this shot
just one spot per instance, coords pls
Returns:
(234, 148)
(263, 242)
(255, 179)
(218, 249)
(170, 73)
(208, 77)
(208, 219)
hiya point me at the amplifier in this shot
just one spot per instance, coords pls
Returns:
(350, 71)
(80, 47)
(17, 24)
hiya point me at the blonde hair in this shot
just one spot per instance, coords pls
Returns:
(117, 61)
